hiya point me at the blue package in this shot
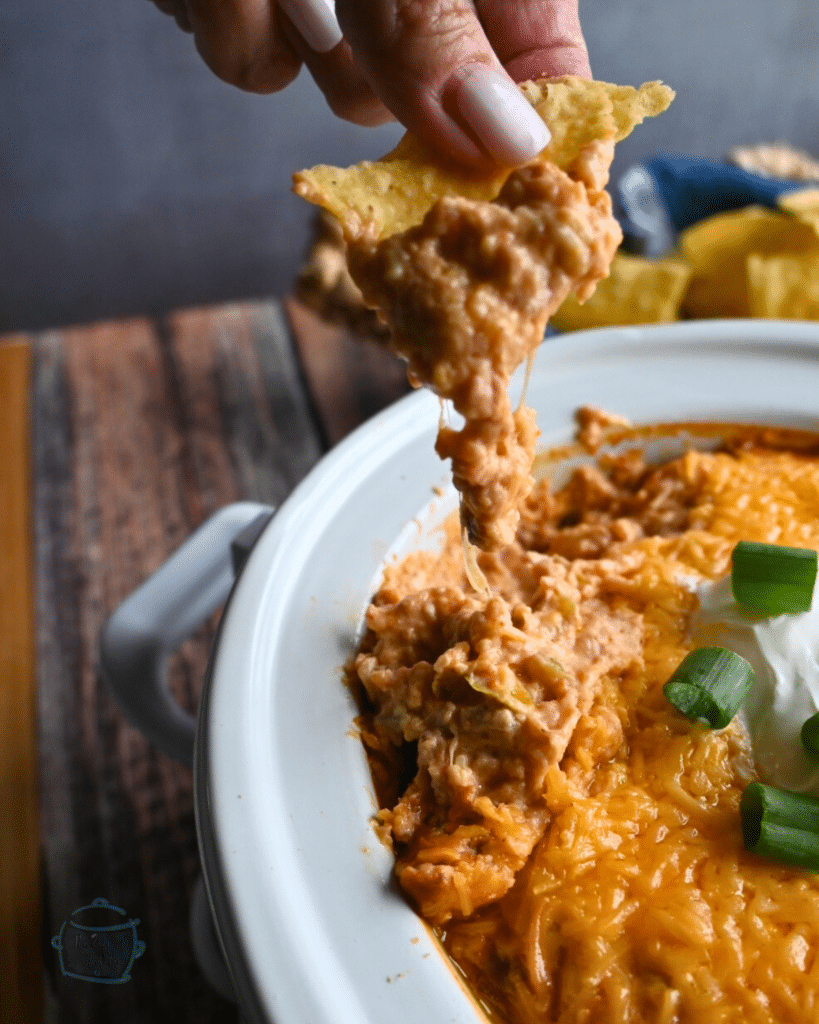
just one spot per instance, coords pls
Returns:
(668, 192)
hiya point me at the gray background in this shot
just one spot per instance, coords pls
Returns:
(133, 181)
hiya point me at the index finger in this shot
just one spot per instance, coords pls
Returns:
(242, 42)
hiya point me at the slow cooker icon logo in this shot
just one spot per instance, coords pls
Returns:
(97, 951)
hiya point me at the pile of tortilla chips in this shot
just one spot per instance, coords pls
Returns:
(752, 262)
(755, 261)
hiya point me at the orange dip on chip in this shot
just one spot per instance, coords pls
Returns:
(466, 270)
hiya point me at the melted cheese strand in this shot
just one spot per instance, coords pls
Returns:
(443, 414)
(527, 376)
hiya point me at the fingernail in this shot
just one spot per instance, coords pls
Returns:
(502, 118)
(315, 21)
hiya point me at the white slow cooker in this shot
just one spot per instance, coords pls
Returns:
(309, 922)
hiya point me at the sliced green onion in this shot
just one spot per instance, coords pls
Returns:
(810, 737)
(710, 684)
(773, 579)
(781, 825)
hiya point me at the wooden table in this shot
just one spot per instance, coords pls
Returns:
(139, 431)
(20, 961)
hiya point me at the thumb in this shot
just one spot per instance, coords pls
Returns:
(431, 64)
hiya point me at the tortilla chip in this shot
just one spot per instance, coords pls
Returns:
(376, 200)
(718, 249)
(784, 287)
(803, 205)
(579, 111)
(775, 160)
(637, 291)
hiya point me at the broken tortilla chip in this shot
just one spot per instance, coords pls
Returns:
(718, 249)
(784, 287)
(803, 205)
(636, 291)
(375, 200)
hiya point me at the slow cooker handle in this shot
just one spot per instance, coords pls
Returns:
(139, 637)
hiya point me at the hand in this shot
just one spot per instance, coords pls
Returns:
(444, 68)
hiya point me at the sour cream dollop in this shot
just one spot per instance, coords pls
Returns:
(784, 654)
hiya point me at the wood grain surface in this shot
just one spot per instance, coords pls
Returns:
(142, 429)
(350, 378)
(20, 960)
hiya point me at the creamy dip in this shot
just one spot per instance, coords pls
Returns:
(467, 294)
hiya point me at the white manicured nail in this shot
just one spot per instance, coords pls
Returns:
(315, 21)
(502, 118)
